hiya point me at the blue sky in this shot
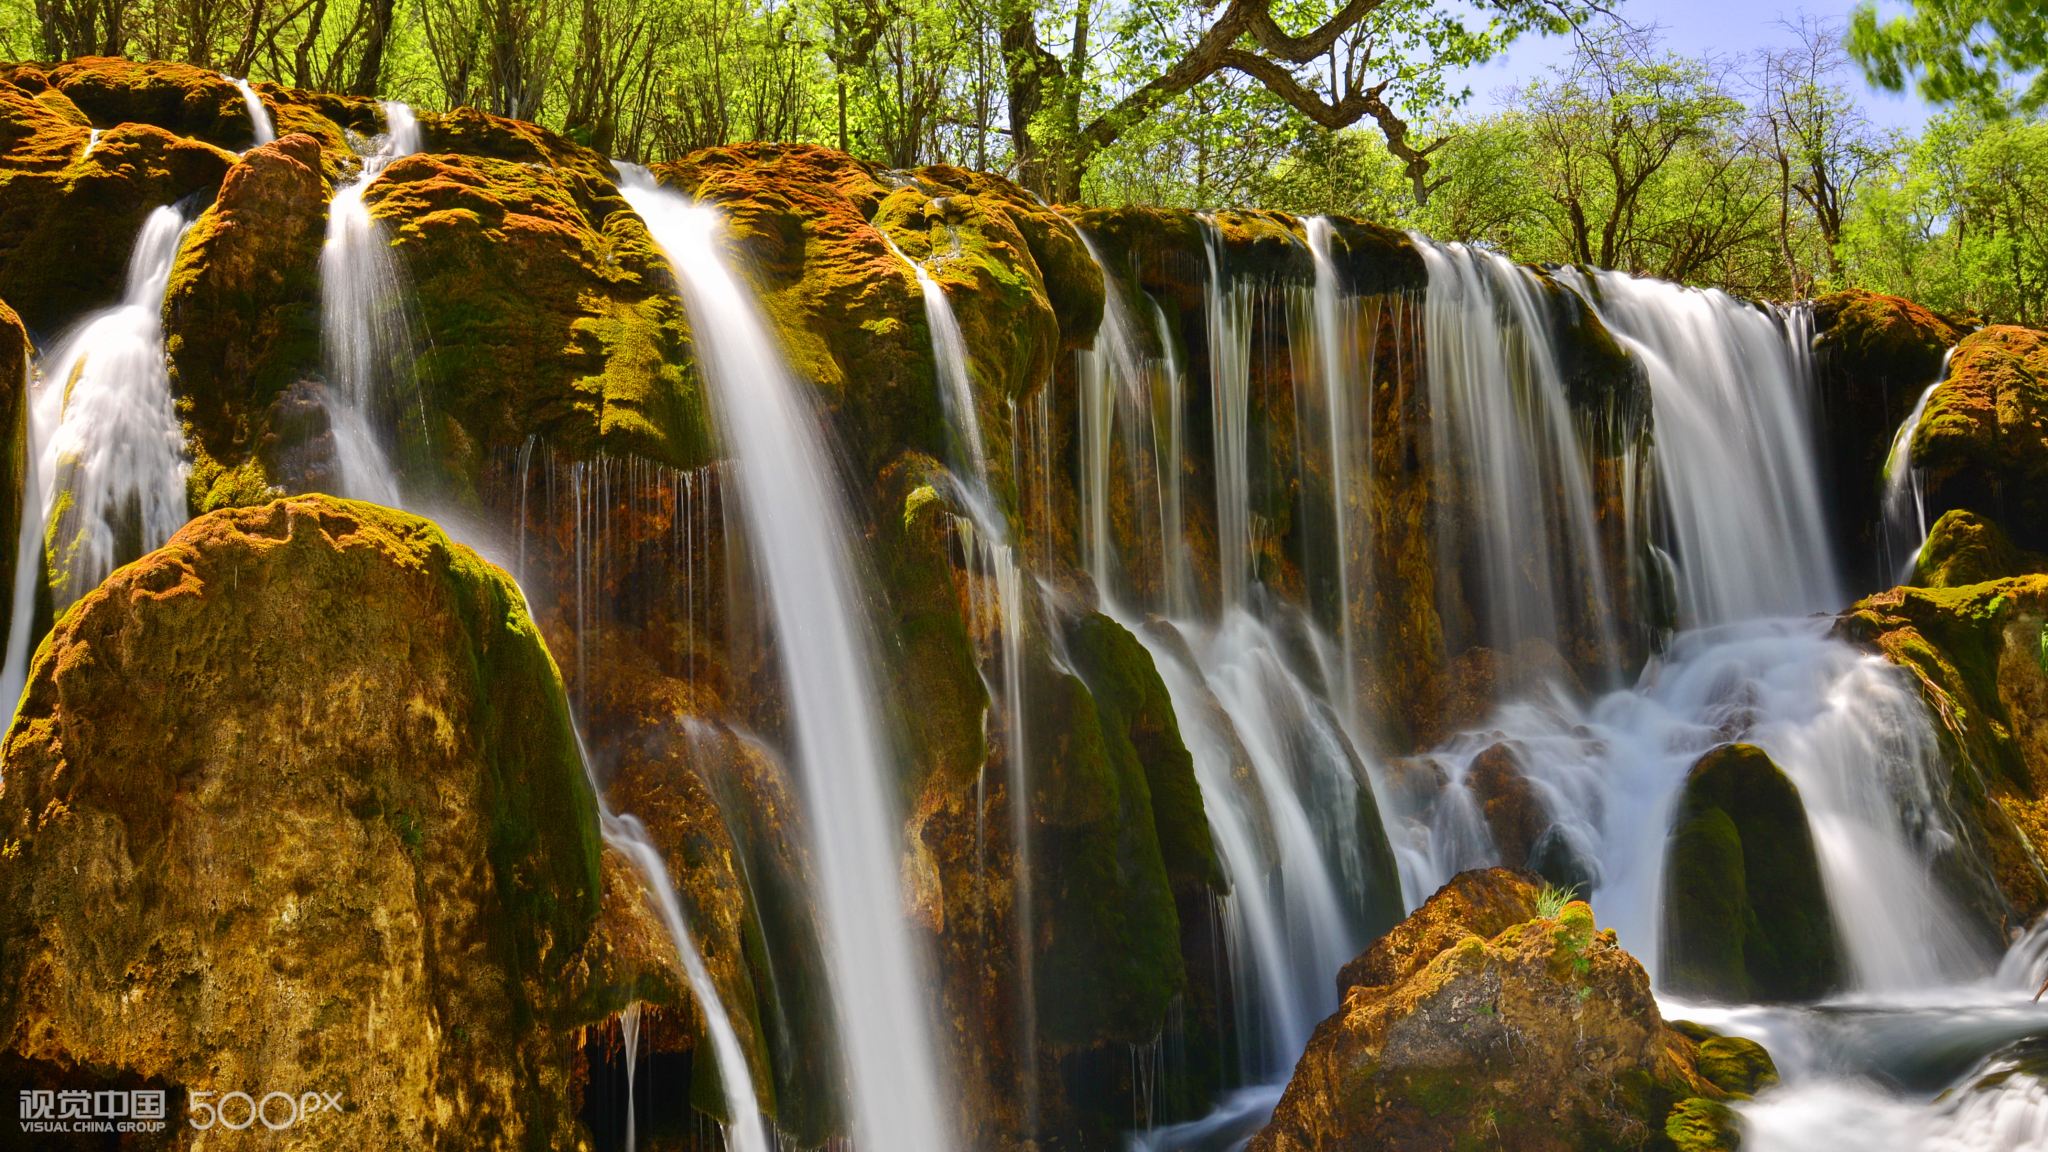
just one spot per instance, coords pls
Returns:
(1724, 28)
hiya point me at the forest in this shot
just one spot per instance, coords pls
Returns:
(1754, 172)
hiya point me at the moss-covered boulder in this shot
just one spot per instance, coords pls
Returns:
(1983, 441)
(1745, 911)
(1514, 814)
(1964, 548)
(1737, 1065)
(69, 213)
(295, 800)
(1979, 656)
(545, 310)
(1541, 1034)
(178, 98)
(242, 313)
(1873, 355)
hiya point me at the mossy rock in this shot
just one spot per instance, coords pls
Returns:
(1132, 701)
(1542, 1035)
(1982, 443)
(69, 217)
(1978, 654)
(1964, 548)
(471, 132)
(179, 98)
(847, 309)
(1873, 355)
(1702, 1125)
(242, 313)
(1736, 1065)
(306, 771)
(546, 310)
(1745, 910)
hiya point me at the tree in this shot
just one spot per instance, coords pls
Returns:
(1380, 58)
(1961, 51)
(1816, 139)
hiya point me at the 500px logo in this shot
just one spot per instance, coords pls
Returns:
(276, 1111)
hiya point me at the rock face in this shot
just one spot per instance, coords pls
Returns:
(1478, 1023)
(1873, 357)
(295, 803)
(1983, 441)
(1745, 912)
(1964, 548)
(1979, 656)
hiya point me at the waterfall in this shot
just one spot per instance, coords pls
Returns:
(743, 1129)
(365, 320)
(111, 451)
(1228, 305)
(1131, 397)
(629, 1036)
(1500, 416)
(1905, 490)
(1347, 410)
(1731, 387)
(797, 528)
(259, 115)
(956, 383)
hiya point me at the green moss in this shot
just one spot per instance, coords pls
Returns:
(1735, 1065)
(1964, 548)
(1134, 705)
(1702, 1125)
(1746, 913)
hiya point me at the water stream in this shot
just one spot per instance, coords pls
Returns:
(797, 530)
(259, 113)
(366, 326)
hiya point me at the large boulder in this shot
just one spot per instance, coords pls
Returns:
(1873, 355)
(1983, 441)
(1478, 1022)
(1964, 548)
(546, 310)
(1745, 911)
(292, 804)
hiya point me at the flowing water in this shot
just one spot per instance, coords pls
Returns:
(110, 453)
(366, 325)
(1905, 490)
(259, 114)
(797, 529)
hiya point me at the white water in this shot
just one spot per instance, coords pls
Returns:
(1500, 415)
(1228, 303)
(798, 532)
(1731, 386)
(1905, 490)
(629, 1036)
(111, 457)
(956, 384)
(28, 553)
(1347, 410)
(1131, 396)
(365, 323)
(259, 115)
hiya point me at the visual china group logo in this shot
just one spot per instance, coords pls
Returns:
(72, 1111)
(55, 1112)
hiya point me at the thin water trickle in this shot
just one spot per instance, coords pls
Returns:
(1905, 490)
(797, 529)
(259, 114)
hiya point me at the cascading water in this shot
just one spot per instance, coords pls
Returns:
(1228, 303)
(1501, 416)
(1905, 490)
(111, 451)
(259, 114)
(797, 530)
(1730, 386)
(365, 322)
(1347, 410)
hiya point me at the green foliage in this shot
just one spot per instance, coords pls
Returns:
(1966, 52)
(1551, 900)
